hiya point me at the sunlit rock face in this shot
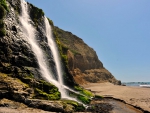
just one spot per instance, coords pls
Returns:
(83, 61)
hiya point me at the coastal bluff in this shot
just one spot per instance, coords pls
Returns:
(83, 62)
(21, 79)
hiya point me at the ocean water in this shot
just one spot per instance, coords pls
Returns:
(136, 84)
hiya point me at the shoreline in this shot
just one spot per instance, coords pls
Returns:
(138, 97)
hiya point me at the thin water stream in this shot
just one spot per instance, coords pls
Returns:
(29, 33)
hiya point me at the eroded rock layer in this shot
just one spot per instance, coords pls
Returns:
(83, 62)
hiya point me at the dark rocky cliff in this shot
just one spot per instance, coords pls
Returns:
(20, 79)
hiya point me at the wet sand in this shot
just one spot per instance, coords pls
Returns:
(136, 96)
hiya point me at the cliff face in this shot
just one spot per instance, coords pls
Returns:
(20, 76)
(83, 62)
(18, 58)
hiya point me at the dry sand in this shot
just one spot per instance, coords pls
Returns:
(136, 96)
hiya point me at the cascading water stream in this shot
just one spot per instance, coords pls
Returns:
(29, 33)
(56, 57)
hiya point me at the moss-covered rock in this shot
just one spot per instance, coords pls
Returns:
(36, 14)
(84, 91)
(70, 105)
(39, 94)
(3, 3)
(46, 91)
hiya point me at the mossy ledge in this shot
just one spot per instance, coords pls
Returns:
(36, 93)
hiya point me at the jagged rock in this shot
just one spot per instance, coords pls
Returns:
(9, 106)
(54, 106)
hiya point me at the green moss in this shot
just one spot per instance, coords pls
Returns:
(48, 87)
(78, 88)
(74, 103)
(43, 95)
(84, 91)
(47, 91)
(87, 93)
(3, 3)
(50, 22)
(77, 106)
(84, 99)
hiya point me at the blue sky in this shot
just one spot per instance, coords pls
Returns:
(118, 30)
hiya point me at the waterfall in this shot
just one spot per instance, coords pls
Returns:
(56, 57)
(29, 32)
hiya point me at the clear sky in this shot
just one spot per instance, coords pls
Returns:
(118, 30)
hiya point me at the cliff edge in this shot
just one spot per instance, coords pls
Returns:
(83, 62)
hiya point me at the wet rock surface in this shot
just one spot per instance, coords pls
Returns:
(107, 105)
(9, 106)
(96, 106)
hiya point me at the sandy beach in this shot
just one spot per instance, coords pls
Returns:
(135, 96)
